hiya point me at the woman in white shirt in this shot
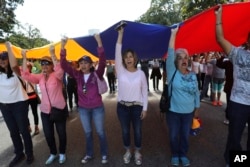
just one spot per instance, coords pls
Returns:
(14, 107)
(132, 98)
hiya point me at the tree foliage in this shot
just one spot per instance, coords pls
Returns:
(165, 12)
(7, 15)
(27, 37)
(169, 12)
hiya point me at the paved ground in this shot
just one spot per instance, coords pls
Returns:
(206, 149)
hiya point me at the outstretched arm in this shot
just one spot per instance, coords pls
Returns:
(12, 59)
(225, 44)
(173, 37)
(120, 35)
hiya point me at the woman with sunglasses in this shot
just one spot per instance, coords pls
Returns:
(89, 100)
(14, 107)
(51, 86)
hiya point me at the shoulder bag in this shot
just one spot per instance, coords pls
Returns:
(166, 97)
(102, 85)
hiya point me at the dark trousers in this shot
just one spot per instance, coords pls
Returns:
(156, 82)
(111, 81)
(16, 119)
(33, 104)
(239, 114)
(48, 129)
(72, 91)
(128, 115)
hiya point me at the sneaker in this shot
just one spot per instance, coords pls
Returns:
(138, 158)
(86, 159)
(226, 122)
(126, 157)
(219, 103)
(175, 161)
(17, 159)
(62, 158)
(185, 161)
(30, 159)
(36, 132)
(51, 158)
(214, 103)
(104, 159)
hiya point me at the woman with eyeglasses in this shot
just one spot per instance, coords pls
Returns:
(89, 100)
(51, 86)
(14, 107)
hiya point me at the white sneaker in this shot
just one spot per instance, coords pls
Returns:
(51, 158)
(126, 157)
(86, 159)
(138, 158)
(62, 158)
(104, 159)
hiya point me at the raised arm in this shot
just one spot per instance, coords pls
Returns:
(23, 53)
(52, 54)
(225, 44)
(98, 40)
(120, 35)
(12, 59)
(173, 37)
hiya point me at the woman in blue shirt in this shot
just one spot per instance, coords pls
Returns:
(185, 101)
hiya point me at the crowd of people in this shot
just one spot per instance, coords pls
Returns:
(190, 79)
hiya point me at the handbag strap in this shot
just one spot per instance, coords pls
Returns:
(47, 93)
(170, 83)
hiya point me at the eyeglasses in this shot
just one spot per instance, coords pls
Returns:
(4, 56)
(43, 63)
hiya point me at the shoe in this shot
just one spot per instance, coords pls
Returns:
(214, 103)
(104, 159)
(226, 122)
(86, 159)
(36, 132)
(185, 161)
(51, 158)
(17, 159)
(62, 158)
(126, 157)
(30, 159)
(138, 158)
(30, 130)
(219, 103)
(175, 161)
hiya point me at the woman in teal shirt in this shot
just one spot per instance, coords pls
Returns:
(185, 101)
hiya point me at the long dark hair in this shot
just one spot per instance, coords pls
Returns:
(9, 71)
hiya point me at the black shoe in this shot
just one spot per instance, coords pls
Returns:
(17, 159)
(30, 159)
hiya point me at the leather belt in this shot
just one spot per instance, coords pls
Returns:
(132, 103)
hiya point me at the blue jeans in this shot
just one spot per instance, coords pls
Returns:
(86, 116)
(238, 114)
(127, 115)
(16, 119)
(179, 127)
(48, 129)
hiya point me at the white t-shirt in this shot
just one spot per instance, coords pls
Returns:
(11, 89)
(241, 65)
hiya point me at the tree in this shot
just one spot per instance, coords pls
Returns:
(165, 12)
(27, 37)
(7, 16)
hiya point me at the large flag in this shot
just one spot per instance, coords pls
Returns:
(198, 33)
(149, 41)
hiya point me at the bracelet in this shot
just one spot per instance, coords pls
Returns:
(218, 23)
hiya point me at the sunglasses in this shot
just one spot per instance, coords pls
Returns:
(84, 89)
(43, 63)
(4, 56)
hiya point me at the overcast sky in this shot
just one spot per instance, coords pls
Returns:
(74, 18)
